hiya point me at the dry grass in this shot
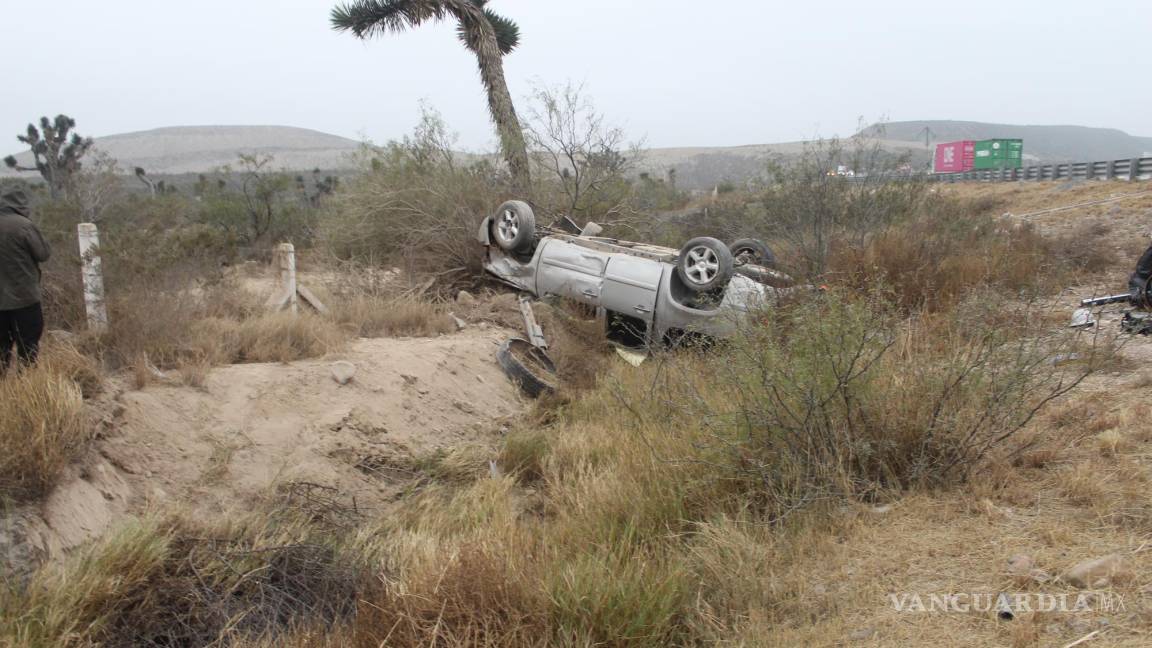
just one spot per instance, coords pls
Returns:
(42, 429)
(399, 317)
(938, 259)
(176, 582)
(283, 337)
(64, 359)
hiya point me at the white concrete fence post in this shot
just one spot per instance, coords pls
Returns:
(286, 258)
(93, 277)
(289, 293)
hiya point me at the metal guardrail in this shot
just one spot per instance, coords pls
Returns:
(1130, 170)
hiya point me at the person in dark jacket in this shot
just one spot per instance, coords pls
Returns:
(22, 250)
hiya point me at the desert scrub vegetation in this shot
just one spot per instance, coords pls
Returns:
(656, 506)
(43, 426)
(374, 316)
(416, 204)
(174, 582)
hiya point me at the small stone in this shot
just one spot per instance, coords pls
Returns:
(465, 297)
(460, 324)
(1020, 564)
(411, 380)
(1023, 570)
(1094, 574)
(343, 371)
(862, 634)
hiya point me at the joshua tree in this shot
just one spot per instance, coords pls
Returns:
(56, 156)
(142, 175)
(485, 33)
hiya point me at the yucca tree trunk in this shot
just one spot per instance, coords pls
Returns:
(507, 126)
(490, 60)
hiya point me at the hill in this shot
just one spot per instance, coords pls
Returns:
(1046, 143)
(192, 149)
(198, 149)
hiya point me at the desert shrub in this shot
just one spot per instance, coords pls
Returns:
(415, 205)
(258, 205)
(145, 244)
(934, 259)
(42, 429)
(1086, 249)
(838, 398)
(583, 165)
(806, 208)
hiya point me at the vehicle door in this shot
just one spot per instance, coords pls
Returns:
(571, 271)
(630, 287)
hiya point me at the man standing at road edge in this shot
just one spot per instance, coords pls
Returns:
(22, 250)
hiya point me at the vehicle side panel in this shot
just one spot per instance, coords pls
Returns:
(571, 271)
(631, 285)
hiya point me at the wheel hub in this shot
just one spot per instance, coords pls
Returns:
(509, 225)
(703, 265)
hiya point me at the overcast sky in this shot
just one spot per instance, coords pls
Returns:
(678, 72)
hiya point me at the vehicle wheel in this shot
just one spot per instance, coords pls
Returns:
(705, 264)
(514, 226)
(527, 366)
(752, 251)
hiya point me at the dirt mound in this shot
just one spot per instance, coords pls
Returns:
(254, 430)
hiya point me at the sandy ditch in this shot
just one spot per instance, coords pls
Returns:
(254, 430)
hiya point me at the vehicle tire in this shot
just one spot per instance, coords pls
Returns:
(704, 265)
(752, 251)
(527, 366)
(1140, 280)
(514, 226)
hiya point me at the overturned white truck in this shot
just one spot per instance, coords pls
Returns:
(644, 294)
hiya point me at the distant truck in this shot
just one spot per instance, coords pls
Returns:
(968, 155)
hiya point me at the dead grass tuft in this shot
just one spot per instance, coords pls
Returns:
(65, 360)
(42, 429)
(176, 583)
(379, 317)
(474, 598)
(284, 337)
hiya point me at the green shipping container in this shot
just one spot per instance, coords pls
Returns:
(999, 154)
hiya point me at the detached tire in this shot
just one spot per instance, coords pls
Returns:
(527, 366)
(514, 226)
(1140, 283)
(753, 251)
(705, 264)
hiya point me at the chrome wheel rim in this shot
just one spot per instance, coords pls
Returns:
(702, 265)
(508, 226)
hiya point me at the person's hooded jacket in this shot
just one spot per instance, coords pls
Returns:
(22, 250)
